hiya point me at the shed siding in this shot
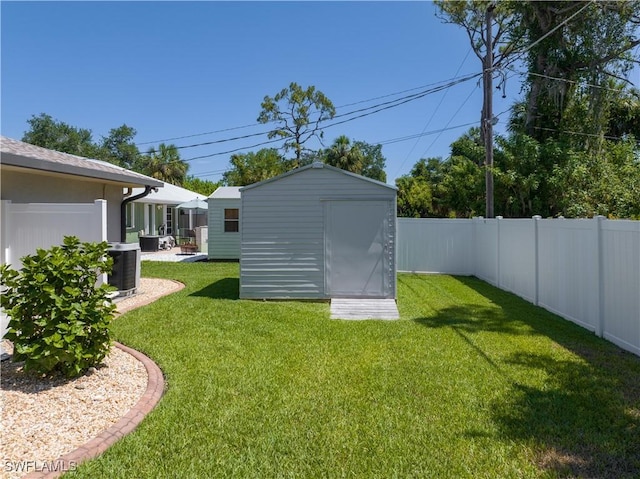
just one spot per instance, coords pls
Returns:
(222, 245)
(283, 236)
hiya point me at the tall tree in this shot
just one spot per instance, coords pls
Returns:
(165, 164)
(248, 168)
(342, 154)
(357, 157)
(576, 49)
(373, 162)
(204, 187)
(298, 114)
(56, 135)
(119, 148)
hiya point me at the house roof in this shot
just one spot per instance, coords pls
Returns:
(168, 195)
(20, 155)
(317, 165)
(227, 193)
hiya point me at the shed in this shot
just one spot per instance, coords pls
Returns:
(224, 223)
(318, 232)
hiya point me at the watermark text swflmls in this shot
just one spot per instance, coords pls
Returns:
(40, 466)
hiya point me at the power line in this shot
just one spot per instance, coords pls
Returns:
(374, 109)
(434, 114)
(580, 133)
(566, 80)
(531, 45)
(196, 134)
(422, 134)
(445, 82)
(232, 151)
(450, 120)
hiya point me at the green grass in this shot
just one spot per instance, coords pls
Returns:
(472, 382)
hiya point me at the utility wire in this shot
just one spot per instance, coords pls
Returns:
(424, 133)
(531, 45)
(374, 109)
(450, 120)
(433, 114)
(445, 82)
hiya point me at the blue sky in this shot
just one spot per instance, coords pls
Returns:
(175, 69)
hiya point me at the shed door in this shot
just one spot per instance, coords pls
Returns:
(356, 249)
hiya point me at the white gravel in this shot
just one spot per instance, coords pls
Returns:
(42, 419)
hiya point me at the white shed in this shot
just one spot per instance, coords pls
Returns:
(224, 223)
(318, 232)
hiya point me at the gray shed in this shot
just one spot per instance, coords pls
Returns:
(318, 232)
(224, 223)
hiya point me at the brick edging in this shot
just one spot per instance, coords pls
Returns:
(126, 424)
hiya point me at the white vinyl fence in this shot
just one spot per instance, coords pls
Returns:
(28, 226)
(25, 227)
(585, 270)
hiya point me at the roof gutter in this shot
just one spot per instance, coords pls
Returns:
(123, 210)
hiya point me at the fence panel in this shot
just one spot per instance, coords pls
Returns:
(486, 249)
(429, 245)
(621, 283)
(517, 260)
(28, 226)
(587, 271)
(568, 270)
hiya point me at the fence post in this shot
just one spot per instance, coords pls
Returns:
(101, 216)
(536, 260)
(600, 325)
(498, 281)
(474, 253)
(5, 228)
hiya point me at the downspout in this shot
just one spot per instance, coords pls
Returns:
(123, 210)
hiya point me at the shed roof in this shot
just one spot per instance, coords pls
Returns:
(168, 195)
(227, 193)
(317, 165)
(26, 156)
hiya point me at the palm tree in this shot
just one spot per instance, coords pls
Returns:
(342, 155)
(165, 164)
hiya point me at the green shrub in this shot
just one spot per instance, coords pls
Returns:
(59, 319)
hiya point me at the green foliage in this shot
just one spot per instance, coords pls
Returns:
(165, 164)
(298, 114)
(414, 197)
(248, 168)
(547, 178)
(357, 157)
(344, 156)
(119, 148)
(59, 136)
(204, 187)
(59, 318)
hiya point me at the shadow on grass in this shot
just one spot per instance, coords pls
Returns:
(585, 418)
(226, 288)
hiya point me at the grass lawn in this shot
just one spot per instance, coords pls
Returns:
(471, 382)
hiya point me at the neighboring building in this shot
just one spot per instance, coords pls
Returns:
(31, 174)
(156, 213)
(224, 223)
(318, 232)
(46, 195)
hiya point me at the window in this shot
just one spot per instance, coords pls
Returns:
(169, 221)
(130, 215)
(231, 220)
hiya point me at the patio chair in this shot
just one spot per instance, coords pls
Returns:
(188, 244)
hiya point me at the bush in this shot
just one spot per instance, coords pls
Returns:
(59, 319)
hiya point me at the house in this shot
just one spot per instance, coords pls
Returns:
(35, 175)
(224, 223)
(318, 232)
(156, 213)
(46, 195)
